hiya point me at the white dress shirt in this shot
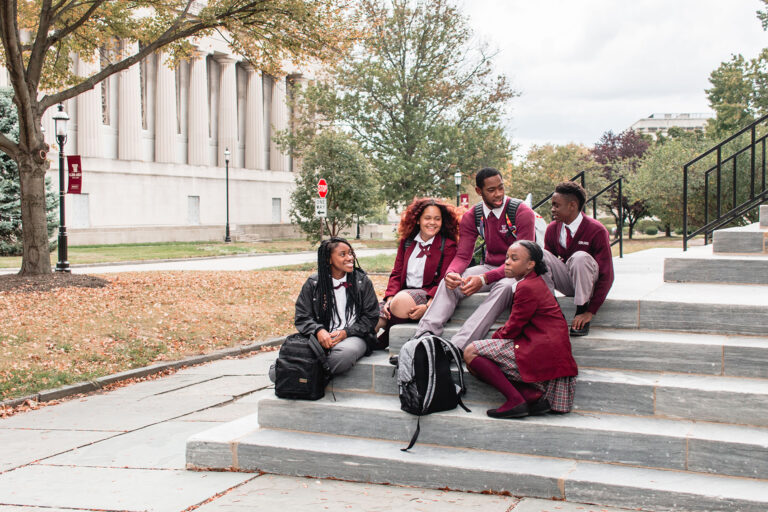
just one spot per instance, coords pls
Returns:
(572, 227)
(341, 305)
(415, 269)
(497, 212)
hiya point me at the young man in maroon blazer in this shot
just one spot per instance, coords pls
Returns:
(578, 254)
(461, 282)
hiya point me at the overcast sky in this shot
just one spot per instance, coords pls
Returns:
(588, 66)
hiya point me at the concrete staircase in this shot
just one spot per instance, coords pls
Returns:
(671, 408)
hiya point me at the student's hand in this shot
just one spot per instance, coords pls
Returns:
(385, 310)
(470, 285)
(452, 280)
(580, 320)
(324, 338)
(338, 336)
(417, 312)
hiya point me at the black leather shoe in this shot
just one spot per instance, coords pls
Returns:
(539, 407)
(519, 411)
(580, 332)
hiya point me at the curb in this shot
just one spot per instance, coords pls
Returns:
(96, 384)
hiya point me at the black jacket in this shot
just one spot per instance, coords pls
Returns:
(308, 309)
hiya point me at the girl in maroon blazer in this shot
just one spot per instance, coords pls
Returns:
(528, 359)
(428, 231)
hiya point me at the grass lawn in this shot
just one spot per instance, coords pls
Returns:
(85, 254)
(68, 335)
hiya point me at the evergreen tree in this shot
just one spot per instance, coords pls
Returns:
(10, 188)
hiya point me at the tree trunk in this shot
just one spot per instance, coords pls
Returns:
(36, 259)
(667, 230)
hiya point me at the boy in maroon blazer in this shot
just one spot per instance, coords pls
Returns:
(578, 254)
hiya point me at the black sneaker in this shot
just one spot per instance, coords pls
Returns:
(580, 332)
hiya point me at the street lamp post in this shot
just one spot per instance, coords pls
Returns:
(60, 119)
(457, 180)
(227, 239)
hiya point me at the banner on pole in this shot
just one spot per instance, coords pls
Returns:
(75, 174)
(464, 200)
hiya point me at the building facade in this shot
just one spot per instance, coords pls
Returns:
(659, 124)
(152, 140)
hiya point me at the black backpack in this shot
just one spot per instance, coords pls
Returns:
(510, 216)
(425, 378)
(301, 369)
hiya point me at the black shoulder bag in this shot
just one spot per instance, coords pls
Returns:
(301, 369)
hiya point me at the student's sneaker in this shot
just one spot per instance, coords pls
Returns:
(580, 332)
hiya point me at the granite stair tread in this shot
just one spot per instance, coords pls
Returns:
(381, 461)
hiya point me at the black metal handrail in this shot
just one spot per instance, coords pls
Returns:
(580, 176)
(758, 192)
(620, 228)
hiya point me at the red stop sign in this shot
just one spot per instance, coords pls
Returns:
(322, 188)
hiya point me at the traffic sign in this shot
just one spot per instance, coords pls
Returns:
(321, 207)
(322, 188)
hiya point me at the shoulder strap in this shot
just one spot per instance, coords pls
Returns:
(511, 211)
(408, 242)
(319, 353)
(436, 279)
(479, 220)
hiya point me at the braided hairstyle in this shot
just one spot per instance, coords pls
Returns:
(535, 254)
(324, 290)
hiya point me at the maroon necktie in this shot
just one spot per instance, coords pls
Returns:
(424, 250)
(344, 284)
(568, 237)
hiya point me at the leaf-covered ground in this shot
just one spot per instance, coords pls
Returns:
(58, 336)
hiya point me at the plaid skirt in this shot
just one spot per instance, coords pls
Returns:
(558, 391)
(419, 296)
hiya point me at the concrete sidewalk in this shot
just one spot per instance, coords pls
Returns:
(124, 450)
(236, 262)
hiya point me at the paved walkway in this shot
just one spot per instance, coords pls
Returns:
(252, 262)
(124, 450)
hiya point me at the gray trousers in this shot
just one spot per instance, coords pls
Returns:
(575, 278)
(342, 356)
(477, 325)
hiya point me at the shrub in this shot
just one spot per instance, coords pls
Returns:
(652, 230)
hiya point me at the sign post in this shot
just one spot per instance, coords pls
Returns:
(321, 204)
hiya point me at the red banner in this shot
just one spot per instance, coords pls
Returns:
(464, 200)
(75, 174)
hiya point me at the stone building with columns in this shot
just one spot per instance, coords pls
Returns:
(152, 141)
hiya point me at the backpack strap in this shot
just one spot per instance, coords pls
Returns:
(415, 435)
(436, 279)
(480, 220)
(511, 213)
(320, 354)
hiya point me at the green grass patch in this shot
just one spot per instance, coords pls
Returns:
(26, 382)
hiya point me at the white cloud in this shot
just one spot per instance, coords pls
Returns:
(588, 66)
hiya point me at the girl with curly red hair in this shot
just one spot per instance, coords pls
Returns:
(428, 234)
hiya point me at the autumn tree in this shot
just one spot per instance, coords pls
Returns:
(11, 234)
(619, 155)
(418, 94)
(337, 159)
(41, 37)
(547, 165)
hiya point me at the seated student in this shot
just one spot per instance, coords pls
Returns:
(578, 254)
(338, 305)
(499, 232)
(529, 359)
(428, 231)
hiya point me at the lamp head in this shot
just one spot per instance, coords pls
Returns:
(60, 120)
(226, 154)
(457, 178)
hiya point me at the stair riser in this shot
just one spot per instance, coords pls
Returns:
(521, 437)
(703, 270)
(346, 459)
(747, 242)
(603, 352)
(764, 216)
(636, 399)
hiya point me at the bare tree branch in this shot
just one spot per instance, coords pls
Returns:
(37, 57)
(9, 147)
(64, 32)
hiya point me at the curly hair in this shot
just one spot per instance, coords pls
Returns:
(409, 220)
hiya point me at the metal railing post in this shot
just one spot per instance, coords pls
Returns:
(752, 166)
(621, 219)
(685, 207)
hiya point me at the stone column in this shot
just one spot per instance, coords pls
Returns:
(129, 110)
(279, 122)
(197, 120)
(165, 112)
(254, 121)
(88, 112)
(227, 109)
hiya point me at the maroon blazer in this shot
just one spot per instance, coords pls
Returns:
(398, 277)
(539, 333)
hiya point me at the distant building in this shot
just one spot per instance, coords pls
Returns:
(656, 124)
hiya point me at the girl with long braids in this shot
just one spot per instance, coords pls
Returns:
(338, 305)
(428, 232)
(529, 359)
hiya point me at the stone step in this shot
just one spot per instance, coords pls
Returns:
(664, 444)
(665, 351)
(743, 239)
(701, 265)
(638, 302)
(379, 461)
(764, 215)
(693, 397)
